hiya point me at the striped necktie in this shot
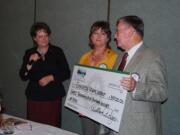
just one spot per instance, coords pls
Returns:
(123, 62)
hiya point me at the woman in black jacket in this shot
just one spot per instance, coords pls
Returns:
(46, 67)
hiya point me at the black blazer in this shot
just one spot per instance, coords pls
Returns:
(55, 63)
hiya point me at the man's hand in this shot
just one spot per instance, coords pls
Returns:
(128, 83)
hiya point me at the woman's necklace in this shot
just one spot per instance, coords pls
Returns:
(94, 59)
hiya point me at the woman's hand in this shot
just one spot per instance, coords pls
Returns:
(33, 58)
(45, 80)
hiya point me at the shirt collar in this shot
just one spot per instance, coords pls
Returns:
(133, 50)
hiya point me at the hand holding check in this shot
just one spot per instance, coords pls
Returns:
(128, 83)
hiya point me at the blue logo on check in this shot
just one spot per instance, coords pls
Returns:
(81, 72)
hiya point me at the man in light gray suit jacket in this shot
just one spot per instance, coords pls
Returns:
(147, 84)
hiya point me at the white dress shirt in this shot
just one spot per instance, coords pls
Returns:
(132, 51)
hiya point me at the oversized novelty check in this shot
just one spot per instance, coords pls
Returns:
(97, 94)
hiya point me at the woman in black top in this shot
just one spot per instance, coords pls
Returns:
(46, 67)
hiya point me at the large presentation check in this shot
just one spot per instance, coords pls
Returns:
(97, 94)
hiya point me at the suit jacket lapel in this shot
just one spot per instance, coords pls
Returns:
(135, 59)
(133, 62)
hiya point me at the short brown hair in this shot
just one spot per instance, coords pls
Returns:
(104, 26)
(39, 26)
